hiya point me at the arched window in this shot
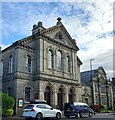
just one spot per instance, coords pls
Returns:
(10, 92)
(28, 63)
(27, 94)
(10, 64)
(50, 58)
(71, 95)
(59, 60)
(67, 63)
(60, 98)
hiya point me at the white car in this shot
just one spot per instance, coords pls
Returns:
(40, 111)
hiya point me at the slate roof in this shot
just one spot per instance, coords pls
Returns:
(86, 77)
(113, 80)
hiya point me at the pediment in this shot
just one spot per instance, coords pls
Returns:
(61, 35)
(101, 71)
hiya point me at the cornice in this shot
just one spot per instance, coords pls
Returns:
(47, 38)
(25, 47)
(18, 44)
(65, 32)
(25, 40)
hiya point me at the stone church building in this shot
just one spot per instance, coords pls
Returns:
(42, 66)
(45, 66)
(99, 85)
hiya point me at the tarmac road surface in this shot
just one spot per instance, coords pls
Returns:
(98, 116)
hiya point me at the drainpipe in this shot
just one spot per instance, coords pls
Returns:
(107, 94)
(99, 89)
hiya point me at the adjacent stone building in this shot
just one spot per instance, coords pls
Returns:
(42, 66)
(113, 85)
(100, 87)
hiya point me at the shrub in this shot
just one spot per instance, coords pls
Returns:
(0, 111)
(97, 107)
(105, 110)
(9, 112)
(7, 103)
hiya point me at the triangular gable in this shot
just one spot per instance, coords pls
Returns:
(60, 34)
(86, 94)
(79, 61)
(101, 70)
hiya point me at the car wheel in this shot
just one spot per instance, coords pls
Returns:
(78, 115)
(58, 116)
(39, 116)
(90, 114)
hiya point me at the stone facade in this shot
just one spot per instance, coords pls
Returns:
(86, 94)
(100, 87)
(42, 66)
(113, 86)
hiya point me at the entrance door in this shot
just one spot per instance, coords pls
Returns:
(47, 95)
(71, 95)
(60, 98)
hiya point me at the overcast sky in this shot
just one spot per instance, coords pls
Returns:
(90, 23)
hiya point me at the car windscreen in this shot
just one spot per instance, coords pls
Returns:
(29, 107)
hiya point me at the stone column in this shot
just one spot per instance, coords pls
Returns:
(41, 94)
(66, 99)
(55, 99)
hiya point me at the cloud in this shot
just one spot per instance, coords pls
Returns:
(3, 46)
(101, 59)
(90, 23)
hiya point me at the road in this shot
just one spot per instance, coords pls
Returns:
(104, 116)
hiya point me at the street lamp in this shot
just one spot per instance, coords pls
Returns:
(91, 65)
(92, 91)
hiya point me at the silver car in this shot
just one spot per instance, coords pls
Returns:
(40, 111)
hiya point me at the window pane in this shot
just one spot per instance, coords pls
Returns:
(59, 60)
(67, 64)
(50, 59)
(27, 94)
(28, 64)
(10, 91)
(10, 64)
(2, 67)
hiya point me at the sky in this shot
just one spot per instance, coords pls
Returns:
(90, 23)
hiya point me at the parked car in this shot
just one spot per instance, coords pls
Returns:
(40, 111)
(77, 109)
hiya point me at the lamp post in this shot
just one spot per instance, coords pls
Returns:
(92, 91)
